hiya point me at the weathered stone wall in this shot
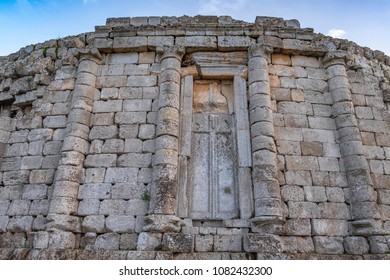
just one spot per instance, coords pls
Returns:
(97, 131)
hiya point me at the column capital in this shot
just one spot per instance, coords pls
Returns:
(89, 54)
(337, 58)
(171, 52)
(261, 50)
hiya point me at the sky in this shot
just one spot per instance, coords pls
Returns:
(25, 22)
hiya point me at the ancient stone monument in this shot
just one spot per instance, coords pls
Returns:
(195, 138)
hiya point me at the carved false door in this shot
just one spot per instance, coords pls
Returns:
(212, 168)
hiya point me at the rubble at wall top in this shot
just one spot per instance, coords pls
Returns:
(199, 21)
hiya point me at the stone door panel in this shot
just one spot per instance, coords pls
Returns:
(212, 168)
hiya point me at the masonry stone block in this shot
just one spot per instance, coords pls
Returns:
(128, 191)
(20, 224)
(334, 211)
(88, 207)
(50, 162)
(326, 227)
(303, 210)
(329, 164)
(302, 163)
(16, 177)
(288, 147)
(107, 241)
(42, 176)
(17, 149)
(39, 207)
(113, 207)
(103, 132)
(299, 227)
(204, 243)
(295, 120)
(113, 146)
(254, 242)
(365, 210)
(149, 241)
(128, 118)
(320, 135)
(52, 148)
(120, 223)
(281, 59)
(103, 119)
(98, 190)
(146, 131)
(107, 106)
(31, 162)
(299, 177)
(128, 131)
(384, 196)
(228, 243)
(335, 194)
(36, 147)
(4, 204)
(128, 241)
(133, 146)
(356, 245)
(378, 244)
(292, 193)
(178, 242)
(122, 58)
(3, 223)
(328, 245)
(54, 121)
(121, 175)
(135, 160)
(289, 134)
(198, 42)
(103, 160)
(93, 223)
(41, 240)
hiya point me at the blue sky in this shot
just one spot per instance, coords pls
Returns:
(24, 22)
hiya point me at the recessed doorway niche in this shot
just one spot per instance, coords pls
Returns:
(215, 156)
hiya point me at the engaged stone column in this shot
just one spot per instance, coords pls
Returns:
(363, 198)
(165, 165)
(62, 218)
(268, 204)
(5, 130)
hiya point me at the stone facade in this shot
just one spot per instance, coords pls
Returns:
(195, 138)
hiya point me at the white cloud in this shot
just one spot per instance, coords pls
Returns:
(337, 33)
(220, 7)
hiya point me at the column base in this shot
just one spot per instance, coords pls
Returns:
(367, 227)
(162, 223)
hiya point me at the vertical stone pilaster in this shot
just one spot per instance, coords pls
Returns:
(5, 131)
(162, 210)
(364, 207)
(268, 204)
(63, 222)
(244, 152)
(186, 103)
